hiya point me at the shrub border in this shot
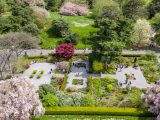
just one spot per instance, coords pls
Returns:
(114, 111)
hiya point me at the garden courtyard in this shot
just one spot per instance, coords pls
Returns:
(79, 59)
(42, 73)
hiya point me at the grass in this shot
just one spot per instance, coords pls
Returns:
(90, 117)
(51, 41)
(21, 62)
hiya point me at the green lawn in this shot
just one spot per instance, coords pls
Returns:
(91, 117)
(50, 41)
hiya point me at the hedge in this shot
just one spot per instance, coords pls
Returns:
(64, 83)
(132, 55)
(35, 57)
(98, 111)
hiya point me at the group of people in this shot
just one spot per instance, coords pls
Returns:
(121, 66)
(51, 70)
(127, 82)
(78, 65)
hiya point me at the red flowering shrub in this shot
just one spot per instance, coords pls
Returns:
(65, 50)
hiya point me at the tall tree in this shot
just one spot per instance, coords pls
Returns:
(134, 9)
(154, 8)
(142, 33)
(19, 100)
(2, 6)
(12, 44)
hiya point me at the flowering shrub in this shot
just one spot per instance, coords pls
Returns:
(40, 12)
(65, 50)
(152, 98)
(72, 9)
(18, 99)
(62, 65)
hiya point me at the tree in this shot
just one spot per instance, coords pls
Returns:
(2, 6)
(152, 98)
(157, 38)
(120, 30)
(31, 28)
(53, 5)
(72, 9)
(142, 33)
(13, 44)
(154, 8)
(65, 50)
(111, 50)
(60, 28)
(134, 9)
(19, 101)
(111, 11)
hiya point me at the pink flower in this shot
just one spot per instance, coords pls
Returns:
(72, 9)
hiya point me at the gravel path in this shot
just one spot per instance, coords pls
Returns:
(82, 75)
(46, 77)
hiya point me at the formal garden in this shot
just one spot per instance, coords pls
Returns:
(79, 59)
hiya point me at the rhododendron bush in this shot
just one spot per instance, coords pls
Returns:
(152, 98)
(65, 50)
(19, 100)
(72, 9)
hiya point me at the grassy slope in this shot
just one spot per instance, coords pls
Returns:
(50, 41)
(91, 117)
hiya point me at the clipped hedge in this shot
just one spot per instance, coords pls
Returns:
(35, 57)
(98, 111)
(132, 55)
(64, 83)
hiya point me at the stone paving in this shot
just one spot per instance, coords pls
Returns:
(46, 77)
(74, 75)
(139, 82)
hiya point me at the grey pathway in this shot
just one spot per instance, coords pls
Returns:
(46, 77)
(82, 75)
(34, 52)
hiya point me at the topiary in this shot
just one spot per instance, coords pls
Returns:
(110, 87)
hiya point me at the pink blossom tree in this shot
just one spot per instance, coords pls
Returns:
(152, 98)
(72, 9)
(19, 100)
(65, 50)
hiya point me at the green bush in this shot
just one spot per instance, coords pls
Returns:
(45, 89)
(50, 100)
(31, 28)
(110, 87)
(34, 71)
(98, 66)
(97, 111)
(42, 72)
(39, 76)
(32, 76)
(64, 83)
